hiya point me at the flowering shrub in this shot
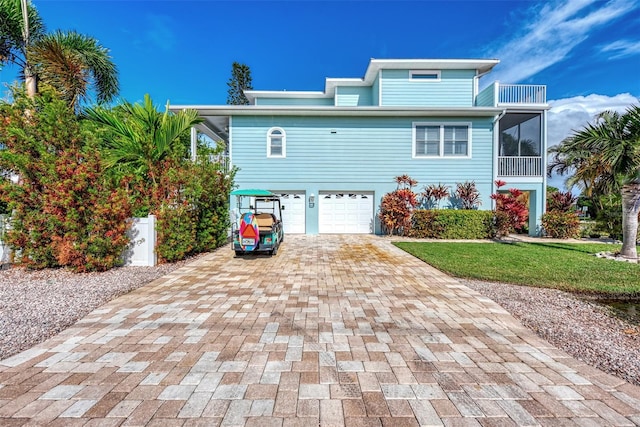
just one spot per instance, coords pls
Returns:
(396, 207)
(511, 213)
(65, 213)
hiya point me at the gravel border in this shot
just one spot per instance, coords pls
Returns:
(35, 305)
(584, 329)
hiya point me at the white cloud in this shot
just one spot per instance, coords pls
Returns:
(558, 27)
(622, 48)
(569, 114)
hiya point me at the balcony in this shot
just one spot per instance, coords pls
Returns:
(498, 94)
(526, 166)
(522, 94)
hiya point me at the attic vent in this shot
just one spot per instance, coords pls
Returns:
(422, 75)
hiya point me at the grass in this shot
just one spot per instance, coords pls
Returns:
(565, 266)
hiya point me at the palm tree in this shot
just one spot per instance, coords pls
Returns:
(70, 62)
(142, 136)
(20, 27)
(73, 62)
(605, 155)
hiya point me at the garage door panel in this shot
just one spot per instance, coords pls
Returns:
(294, 214)
(346, 213)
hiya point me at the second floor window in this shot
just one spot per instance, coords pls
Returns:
(441, 140)
(276, 142)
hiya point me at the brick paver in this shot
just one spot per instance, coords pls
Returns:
(334, 330)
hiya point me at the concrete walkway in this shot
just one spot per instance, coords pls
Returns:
(333, 331)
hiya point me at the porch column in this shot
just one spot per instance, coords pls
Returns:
(194, 144)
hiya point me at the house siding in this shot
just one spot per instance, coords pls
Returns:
(353, 96)
(301, 102)
(356, 154)
(455, 89)
(486, 97)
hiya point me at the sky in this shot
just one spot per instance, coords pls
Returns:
(587, 52)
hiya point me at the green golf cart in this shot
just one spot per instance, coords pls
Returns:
(257, 222)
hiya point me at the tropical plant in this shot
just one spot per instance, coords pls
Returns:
(561, 201)
(396, 207)
(20, 27)
(64, 213)
(239, 81)
(467, 195)
(432, 194)
(511, 211)
(72, 63)
(141, 137)
(606, 154)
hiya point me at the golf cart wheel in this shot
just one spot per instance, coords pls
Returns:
(239, 253)
(274, 251)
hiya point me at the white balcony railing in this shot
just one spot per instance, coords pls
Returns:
(520, 166)
(522, 94)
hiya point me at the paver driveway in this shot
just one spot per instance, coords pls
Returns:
(333, 331)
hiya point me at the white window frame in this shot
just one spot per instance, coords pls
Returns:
(284, 142)
(441, 154)
(418, 72)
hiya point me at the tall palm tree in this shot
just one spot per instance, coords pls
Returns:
(73, 62)
(142, 136)
(20, 27)
(606, 155)
(70, 62)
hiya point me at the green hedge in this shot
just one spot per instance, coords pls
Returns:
(452, 224)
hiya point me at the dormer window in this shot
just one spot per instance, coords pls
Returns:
(425, 75)
(276, 143)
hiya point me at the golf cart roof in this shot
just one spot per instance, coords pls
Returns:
(252, 192)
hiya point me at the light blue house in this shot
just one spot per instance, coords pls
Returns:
(333, 155)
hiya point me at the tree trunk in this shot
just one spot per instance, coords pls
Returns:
(31, 82)
(630, 209)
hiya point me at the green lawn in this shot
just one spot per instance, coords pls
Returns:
(570, 267)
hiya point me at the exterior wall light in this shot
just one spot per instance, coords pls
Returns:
(312, 200)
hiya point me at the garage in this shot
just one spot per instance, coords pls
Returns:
(345, 213)
(293, 214)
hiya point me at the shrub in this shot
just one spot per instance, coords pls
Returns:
(452, 224)
(561, 224)
(560, 201)
(432, 194)
(193, 206)
(511, 211)
(396, 207)
(64, 212)
(467, 195)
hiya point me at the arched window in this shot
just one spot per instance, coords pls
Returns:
(276, 143)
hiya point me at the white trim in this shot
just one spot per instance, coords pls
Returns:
(441, 147)
(379, 88)
(230, 143)
(436, 73)
(284, 142)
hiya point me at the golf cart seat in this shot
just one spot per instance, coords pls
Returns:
(265, 221)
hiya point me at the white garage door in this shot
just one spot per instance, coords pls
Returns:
(346, 213)
(293, 215)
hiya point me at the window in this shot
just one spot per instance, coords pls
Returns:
(441, 140)
(521, 135)
(425, 75)
(276, 143)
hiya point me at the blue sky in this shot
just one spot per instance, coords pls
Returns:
(587, 52)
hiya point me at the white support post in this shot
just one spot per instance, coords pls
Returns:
(194, 143)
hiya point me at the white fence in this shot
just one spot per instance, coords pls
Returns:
(520, 166)
(140, 252)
